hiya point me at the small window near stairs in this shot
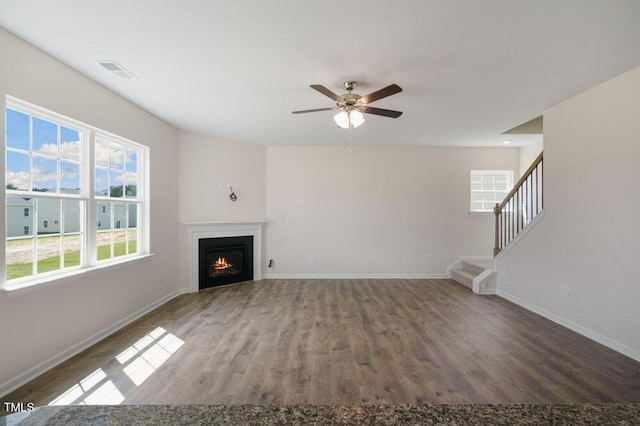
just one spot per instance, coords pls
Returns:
(488, 188)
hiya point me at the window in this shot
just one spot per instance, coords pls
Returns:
(50, 162)
(116, 190)
(488, 188)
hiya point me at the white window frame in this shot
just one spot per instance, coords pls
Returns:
(89, 226)
(139, 200)
(497, 195)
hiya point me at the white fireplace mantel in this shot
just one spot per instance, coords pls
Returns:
(200, 230)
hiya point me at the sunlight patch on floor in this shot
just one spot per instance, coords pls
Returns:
(139, 361)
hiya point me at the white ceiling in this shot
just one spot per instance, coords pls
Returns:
(470, 69)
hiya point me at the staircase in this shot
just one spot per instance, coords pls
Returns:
(478, 275)
(521, 207)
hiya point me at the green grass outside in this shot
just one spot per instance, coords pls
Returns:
(72, 258)
(119, 249)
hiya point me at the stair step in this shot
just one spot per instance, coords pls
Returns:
(470, 269)
(476, 267)
(463, 277)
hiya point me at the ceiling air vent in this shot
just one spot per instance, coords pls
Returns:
(116, 69)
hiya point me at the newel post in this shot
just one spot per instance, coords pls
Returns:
(496, 213)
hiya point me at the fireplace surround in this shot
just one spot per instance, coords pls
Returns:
(196, 231)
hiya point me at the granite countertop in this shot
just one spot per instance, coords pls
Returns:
(414, 414)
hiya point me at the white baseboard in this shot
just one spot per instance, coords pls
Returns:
(32, 373)
(355, 276)
(593, 335)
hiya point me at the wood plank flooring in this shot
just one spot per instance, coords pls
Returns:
(340, 342)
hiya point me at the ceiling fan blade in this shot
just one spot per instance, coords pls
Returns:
(313, 110)
(320, 88)
(391, 89)
(379, 111)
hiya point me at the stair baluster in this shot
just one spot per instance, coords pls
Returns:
(520, 206)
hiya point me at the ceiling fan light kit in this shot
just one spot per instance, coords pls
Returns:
(352, 118)
(352, 106)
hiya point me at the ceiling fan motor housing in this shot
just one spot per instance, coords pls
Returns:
(350, 99)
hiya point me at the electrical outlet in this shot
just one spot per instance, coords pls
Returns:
(568, 292)
(292, 258)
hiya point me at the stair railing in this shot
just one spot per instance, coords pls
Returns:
(521, 205)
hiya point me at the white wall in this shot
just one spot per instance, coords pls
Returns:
(205, 163)
(527, 154)
(376, 212)
(589, 238)
(42, 324)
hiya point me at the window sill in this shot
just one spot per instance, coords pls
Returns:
(37, 284)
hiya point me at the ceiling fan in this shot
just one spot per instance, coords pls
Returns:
(352, 105)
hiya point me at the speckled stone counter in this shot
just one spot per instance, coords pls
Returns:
(462, 414)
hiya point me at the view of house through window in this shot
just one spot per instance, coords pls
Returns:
(116, 190)
(51, 211)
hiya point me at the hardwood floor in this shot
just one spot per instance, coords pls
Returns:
(340, 342)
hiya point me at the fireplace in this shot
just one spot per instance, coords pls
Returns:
(225, 260)
(196, 231)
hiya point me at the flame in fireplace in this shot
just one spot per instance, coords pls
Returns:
(221, 264)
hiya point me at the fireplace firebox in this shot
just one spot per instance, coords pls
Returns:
(225, 260)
